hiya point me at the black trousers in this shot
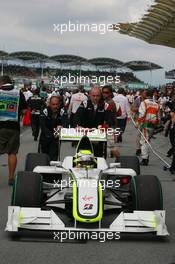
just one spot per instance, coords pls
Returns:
(35, 125)
(50, 147)
(173, 160)
(73, 120)
(121, 123)
(173, 163)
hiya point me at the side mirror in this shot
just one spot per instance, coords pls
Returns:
(115, 165)
(56, 163)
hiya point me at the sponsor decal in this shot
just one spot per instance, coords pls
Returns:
(88, 206)
(87, 198)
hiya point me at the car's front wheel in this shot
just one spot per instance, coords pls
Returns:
(146, 193)
(27, 190)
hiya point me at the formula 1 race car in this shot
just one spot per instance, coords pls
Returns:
(85, 194)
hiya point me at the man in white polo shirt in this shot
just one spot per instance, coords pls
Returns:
(75, 102)
(122, 100)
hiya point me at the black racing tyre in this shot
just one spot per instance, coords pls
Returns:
(146, 193)
(36, 159)
(27, 189)
(130, 162)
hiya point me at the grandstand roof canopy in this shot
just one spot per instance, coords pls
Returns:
(157, 26)
(142, 66)
(28, 55)
(66, 58)
(106, 62)
(77, 60)
(3, 54)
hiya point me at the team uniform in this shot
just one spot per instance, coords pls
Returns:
(148, 119)
(35, 103)
(170, 130)
(91, 116)
(48, 142)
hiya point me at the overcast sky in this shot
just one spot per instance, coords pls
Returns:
(28, 25)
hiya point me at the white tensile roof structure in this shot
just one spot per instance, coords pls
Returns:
(157, 26)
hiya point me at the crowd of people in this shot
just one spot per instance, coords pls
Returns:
(47, 110)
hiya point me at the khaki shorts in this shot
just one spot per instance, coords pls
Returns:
(9, 141)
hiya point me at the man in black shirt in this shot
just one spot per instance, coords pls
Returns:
(35, 103)
(171, 132)
(12, 105)
(92, 114)
(50, 121)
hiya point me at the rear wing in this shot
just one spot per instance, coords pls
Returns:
(75, 134)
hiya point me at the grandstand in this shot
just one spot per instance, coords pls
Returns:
(170, 74)
(33, 65)
(26, 72)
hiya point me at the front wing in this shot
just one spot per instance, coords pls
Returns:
(38, 219)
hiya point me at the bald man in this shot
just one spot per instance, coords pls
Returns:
(91, 113)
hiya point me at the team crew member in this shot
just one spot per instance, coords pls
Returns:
(171, 132)
(12, 104)
(135, 110)
(50, 121)
(91, 114)
(122, 120)
(112, 112)
(75, 102)
(35, 103)
(148, 119)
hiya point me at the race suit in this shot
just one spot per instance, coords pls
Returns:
(147, 120)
